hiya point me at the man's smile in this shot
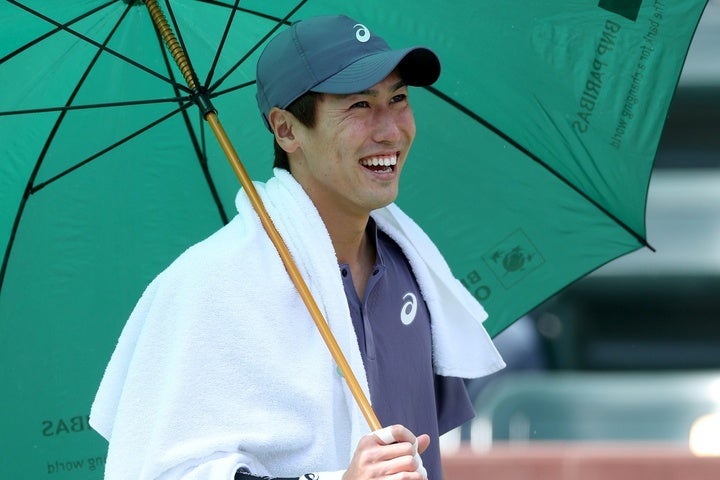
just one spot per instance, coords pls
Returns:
(380, 163)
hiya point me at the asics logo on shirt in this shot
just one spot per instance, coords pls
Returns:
(362, 34)
(409, 308)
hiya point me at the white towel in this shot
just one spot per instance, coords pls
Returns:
(220, 365)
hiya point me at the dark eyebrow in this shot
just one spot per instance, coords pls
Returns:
(374, 93)
(397, 86)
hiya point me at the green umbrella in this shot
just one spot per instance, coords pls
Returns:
(530, 169)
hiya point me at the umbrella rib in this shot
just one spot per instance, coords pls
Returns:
(40, 186)
(102, 47)
(462, 108)
(219, 93)
(243, 10)
(90, 106)
(216, 58)
(278, 24)
(11, 238)
(53, 31)
(233, 9)
(201, 152)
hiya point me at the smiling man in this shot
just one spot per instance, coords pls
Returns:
(349, 162)
(220, 373)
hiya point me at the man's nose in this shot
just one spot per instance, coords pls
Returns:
(387, 127)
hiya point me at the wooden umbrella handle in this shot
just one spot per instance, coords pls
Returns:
(211, 117)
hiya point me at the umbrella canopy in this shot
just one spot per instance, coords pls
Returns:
(530, 168)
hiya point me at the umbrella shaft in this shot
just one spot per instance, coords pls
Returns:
(172, 43)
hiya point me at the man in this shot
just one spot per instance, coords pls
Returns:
(220, 372)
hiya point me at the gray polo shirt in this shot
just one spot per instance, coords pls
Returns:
(392, 324)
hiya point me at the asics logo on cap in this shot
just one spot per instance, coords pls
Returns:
(362, 34)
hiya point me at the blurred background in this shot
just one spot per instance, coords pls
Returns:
(630, 355)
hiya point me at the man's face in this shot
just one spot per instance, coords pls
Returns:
(351, 160)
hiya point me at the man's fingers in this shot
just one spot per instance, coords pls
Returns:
(395, 434)
(405, 463)
(423, 442)
(399, 436)
(386, 435)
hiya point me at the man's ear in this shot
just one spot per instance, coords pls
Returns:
(283, 123)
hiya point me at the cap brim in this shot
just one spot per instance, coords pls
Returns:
(419, 66)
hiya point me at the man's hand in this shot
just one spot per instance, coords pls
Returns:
(392, 452)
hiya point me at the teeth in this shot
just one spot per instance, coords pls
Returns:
(379, 161)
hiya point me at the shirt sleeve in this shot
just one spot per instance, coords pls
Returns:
(454, 407)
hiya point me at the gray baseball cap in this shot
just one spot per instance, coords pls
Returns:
(334, 54)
